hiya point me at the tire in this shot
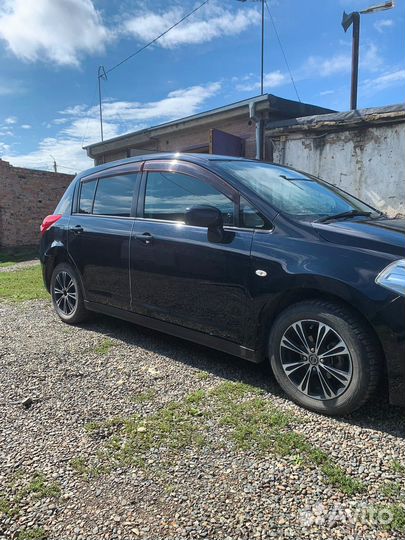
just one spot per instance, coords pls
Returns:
(67, 297)
(335, 369)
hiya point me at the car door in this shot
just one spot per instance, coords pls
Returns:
(178, 275)
(99, 235)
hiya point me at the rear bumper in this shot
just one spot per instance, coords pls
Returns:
(44, 276)
(389, 324)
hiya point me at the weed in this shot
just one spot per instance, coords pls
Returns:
(398, 467)
(104, 347)
(32, 534)
(143, 397)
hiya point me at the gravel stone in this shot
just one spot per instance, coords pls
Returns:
(215, 493)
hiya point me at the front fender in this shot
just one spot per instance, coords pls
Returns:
(309, 267)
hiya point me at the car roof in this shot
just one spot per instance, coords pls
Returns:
(201, 159)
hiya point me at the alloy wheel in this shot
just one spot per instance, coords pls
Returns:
(65, 293)
(316, 359)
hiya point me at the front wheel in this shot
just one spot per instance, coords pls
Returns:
(67, 296)
(324, 357)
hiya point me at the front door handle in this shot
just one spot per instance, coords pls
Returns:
(78, 229)
(146, 238)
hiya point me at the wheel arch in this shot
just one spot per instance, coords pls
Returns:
(56, 254)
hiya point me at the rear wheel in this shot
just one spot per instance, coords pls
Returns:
(67, 296)
(324, 357)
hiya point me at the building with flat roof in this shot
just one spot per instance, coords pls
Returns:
(236, 129)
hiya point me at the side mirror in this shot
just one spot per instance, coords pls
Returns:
(204, 216)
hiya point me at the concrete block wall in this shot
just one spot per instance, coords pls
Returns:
(368, 162)
(26, 197)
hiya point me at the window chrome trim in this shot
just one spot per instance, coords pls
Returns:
(226, 227)
(102, 216)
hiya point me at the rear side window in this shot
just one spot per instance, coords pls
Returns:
(169, 194)
(65, 204)
(114, 195)
(87, 196)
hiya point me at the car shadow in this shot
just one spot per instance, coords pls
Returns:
(376, 415)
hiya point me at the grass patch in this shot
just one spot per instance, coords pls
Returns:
(40, 488)
(36, 487)
(9, 257)
(242, 413)
(391, 490)
(253, 423)
(394, 514)
(5, 506)
(144, 397)
(398, 467)
(336, 477)
(81, 467)
(32, 534)
(104, 347)
(398, 522)
(202, 375)
(175, 426)
(26, 284)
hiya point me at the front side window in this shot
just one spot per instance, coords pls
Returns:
(114, 195)
(87, 196)
(168, 195)
(292, 192)
(250, 218)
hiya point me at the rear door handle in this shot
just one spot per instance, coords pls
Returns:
(146, 238)
(78, 229)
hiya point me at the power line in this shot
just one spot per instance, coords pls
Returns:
(282, 50)
(102, 73)
(158, 37)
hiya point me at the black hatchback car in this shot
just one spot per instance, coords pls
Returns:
(250, 258)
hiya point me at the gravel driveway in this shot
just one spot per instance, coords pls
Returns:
(101, 395)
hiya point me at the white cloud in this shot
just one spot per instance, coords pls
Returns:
(55, 30)
(270, 80)
(325, 67)
(212, 21)
(9, 87)
(371, 59)
(326, 92)
(383, 24)
(319, 66)
(386, 80)
(26, 126)
(81, 126)
(10, 120)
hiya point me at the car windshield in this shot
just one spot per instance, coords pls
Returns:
(294, 193)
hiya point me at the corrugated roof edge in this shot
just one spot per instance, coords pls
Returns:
(369, 116)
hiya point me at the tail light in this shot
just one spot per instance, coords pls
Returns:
(48, 222)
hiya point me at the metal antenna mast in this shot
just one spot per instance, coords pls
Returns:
(101, 75)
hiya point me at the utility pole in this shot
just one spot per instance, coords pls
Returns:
(262, 66)
(354, 19)
(347, 21)
(55, 167)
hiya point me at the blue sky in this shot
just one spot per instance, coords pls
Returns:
(51, 50)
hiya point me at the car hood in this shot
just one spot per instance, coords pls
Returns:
(386, 235)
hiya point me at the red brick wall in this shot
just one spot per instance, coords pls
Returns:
(26, 197)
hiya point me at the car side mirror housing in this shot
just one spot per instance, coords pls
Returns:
(204, 215)
(208, 216)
